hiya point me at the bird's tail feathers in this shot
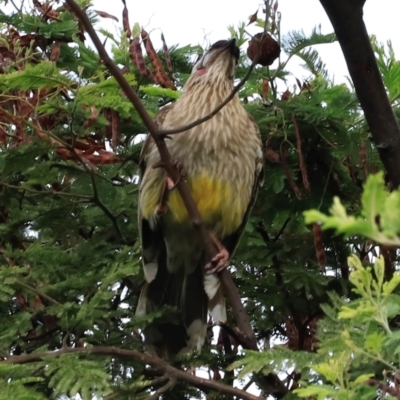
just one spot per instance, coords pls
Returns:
(216, 299)
(194, 295)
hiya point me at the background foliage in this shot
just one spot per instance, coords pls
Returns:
(69, 253)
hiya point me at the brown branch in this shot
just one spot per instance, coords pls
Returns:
(302, 163)
(226, 280)
(236, 334)
(161, 365)
(48, 192)
(347, 19)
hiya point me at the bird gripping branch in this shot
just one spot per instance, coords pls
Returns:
(221, 161)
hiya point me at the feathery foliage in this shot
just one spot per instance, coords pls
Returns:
(70, 271)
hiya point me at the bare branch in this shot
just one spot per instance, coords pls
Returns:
(48, 192)
(161, 365)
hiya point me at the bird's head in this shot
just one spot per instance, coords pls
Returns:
(218, 64)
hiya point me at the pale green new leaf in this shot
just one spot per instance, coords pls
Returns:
(376, 202)
(321, 392)
(388, 287)
(379, 270)
(340, 221)
(361, 311)
(374, 196)
(159, 91)
(390, 215)
(362, 378)
(374, 342)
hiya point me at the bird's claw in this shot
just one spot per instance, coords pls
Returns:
(220, 261)
(162, 206)
(179, 167)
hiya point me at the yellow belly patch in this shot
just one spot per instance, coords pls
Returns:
(215, 200)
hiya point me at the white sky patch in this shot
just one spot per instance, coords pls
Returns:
(206, 22)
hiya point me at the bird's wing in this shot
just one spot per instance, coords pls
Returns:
(149, 142)
(151, 237)
(180, 290)
(231, 241)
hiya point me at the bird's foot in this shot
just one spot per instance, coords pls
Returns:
(220, 261)
(162, 206)
(179, 167)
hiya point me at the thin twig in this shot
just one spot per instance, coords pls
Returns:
(38, 292)
(104, 208)
(168, 386)
(302, 163)
(172, 171)
(278, 235)
(161, 365)
(48, 192)
(42, 335)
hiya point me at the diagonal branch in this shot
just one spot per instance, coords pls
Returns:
(161, 365)
(347, 19)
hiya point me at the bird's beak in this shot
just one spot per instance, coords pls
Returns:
(230, 45)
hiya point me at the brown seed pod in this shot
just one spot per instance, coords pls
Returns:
(264, 47)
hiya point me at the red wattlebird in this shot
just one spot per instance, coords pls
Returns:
(222, 160)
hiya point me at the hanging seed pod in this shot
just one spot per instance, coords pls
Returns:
(263, 48)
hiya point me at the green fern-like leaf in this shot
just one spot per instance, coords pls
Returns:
(70, 375)
(45, 75)
(313, 62)
(295, 41)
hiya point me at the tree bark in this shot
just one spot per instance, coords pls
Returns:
(347, 19)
